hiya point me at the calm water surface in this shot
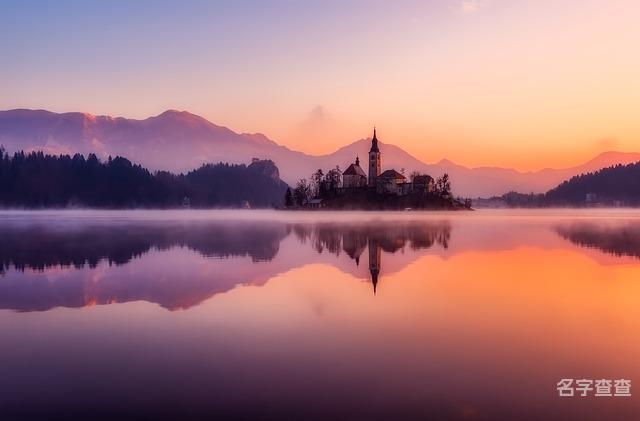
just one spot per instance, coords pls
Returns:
(222, 314)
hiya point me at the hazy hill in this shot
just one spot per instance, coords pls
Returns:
(179, 141)
(174, 141)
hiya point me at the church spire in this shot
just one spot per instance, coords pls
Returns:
(374, 142)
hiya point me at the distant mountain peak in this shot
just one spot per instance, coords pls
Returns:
(608, 159)
(447, 163)
(181, 115)
(183, 118)
(172, 112)
(614, 155)
(259, 138)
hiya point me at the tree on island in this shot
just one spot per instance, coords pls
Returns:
(443, 186)
(302, 192)
(288, 198)
(334, 177)
(316, 179)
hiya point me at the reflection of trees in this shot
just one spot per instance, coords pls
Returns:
(621, 240)
(42, 246)
(390, 236)
(38, 247)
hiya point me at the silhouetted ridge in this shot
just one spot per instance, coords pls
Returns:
(617, 183)
(613, 186)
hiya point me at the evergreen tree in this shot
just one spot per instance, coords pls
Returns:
(288, 198)
(39, 180)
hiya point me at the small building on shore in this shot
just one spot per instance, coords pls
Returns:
(315, 203)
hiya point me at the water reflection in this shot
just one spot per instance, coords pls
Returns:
(620, 239)
(44, 265)
(38, 246)
(76, 265)
(476, 316)
(389, 237)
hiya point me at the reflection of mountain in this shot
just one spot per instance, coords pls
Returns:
(621, 240)
(75, 265)
(78, 265)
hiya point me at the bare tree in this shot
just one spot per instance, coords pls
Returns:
(316, 179)
(443, 186)
(302, 192)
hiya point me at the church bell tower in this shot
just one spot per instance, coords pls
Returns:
(374, 160)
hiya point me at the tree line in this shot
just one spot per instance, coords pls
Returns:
(616, 185)
(38, 180)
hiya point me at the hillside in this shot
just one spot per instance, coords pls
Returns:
(606, 186)
(613, 186)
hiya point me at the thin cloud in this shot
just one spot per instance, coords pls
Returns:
(317, 114)
(607, 144)
(471, 6)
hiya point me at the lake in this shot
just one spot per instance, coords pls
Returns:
(319, 315)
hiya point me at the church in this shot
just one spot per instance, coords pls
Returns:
(374, 187)
(383, 182)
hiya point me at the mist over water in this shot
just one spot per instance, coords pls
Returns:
(345, 315)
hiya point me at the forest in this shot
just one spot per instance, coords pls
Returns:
(38, 180)
(612, 186)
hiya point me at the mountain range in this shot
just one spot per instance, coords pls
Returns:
(180, 141)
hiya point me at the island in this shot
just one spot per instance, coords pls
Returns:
(354, 189)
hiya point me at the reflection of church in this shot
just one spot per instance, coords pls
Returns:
(356, 239)
(374, 261)
(354, 245)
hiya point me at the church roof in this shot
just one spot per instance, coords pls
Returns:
(392, 174)
(354, 170)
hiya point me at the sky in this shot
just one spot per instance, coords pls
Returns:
(512, 83)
